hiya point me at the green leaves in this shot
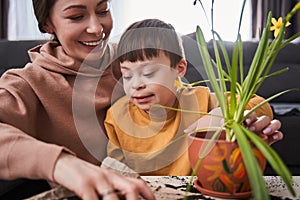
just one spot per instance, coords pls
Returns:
(242, 89)
(206, 59)
(272, 157)
(255, 175)
(245, 87)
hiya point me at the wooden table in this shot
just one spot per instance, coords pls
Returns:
(173, 187)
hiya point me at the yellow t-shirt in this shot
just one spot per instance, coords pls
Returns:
(153, 146)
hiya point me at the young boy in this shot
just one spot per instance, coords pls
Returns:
(149, 139)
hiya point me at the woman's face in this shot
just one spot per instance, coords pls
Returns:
(81, 26)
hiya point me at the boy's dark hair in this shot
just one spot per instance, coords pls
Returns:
(147, 38)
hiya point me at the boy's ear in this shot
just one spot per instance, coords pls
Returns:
(181, 67)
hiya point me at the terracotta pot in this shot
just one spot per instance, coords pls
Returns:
(222, 172)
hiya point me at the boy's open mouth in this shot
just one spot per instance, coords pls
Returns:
(143, 99)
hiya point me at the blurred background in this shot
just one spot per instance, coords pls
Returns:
(18, 21)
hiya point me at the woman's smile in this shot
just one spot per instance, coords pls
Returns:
(93, 43)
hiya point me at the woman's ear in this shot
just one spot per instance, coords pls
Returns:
(181, 67)
(47, 27)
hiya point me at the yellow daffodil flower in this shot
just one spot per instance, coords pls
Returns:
(277, 25)
(178, 84)
(297, 6)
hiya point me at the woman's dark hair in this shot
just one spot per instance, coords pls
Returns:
(41, 10)
(147, 38)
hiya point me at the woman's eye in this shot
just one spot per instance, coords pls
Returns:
(104, 9)
(76, 18)
(102, 12)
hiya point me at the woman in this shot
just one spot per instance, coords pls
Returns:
(42, 130)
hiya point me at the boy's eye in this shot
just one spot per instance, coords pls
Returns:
(127, 76)
(148, 74)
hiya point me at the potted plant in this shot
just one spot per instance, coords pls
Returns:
(248, 146)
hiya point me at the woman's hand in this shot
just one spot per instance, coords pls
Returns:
(89, 181)
(256, 124)
(266, 126)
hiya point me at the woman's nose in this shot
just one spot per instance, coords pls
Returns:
(94, 26)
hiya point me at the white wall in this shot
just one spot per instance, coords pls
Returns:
(182, 14)
(22, 24)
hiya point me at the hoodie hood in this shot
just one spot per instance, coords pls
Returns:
(52, 56)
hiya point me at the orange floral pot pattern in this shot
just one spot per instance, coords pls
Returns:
(222, 170)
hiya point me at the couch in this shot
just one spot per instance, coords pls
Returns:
(286, 108)
(13, 54)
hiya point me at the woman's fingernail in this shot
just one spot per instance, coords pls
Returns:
(275, 137)
(267, 131)
(248, 121)
(252, 128)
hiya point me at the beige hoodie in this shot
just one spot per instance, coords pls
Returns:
(53, 104)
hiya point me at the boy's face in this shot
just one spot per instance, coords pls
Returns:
(150, 82)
